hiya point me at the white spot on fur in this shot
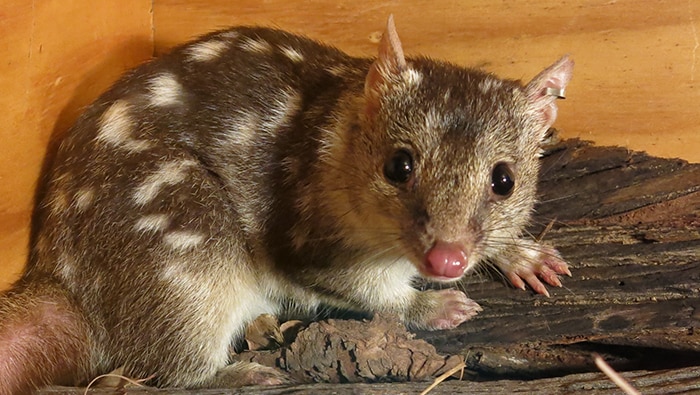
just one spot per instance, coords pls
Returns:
(332, 146)
(489, 84)
(447, 95)
(337, 70)
(65, 267)
(84, 198)
(242, 130)
(292, 54)
(183, 240)
(281, 110)
(115, 128)
(331, 143)
(255, 45)
(207, 50)
(169, 173)
(432, 119)
(58, 202)
(115, 124)
(186, 283)
(165, 90)
(413, 76)
(152, 223)
(229, 35)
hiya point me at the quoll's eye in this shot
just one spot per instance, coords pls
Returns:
(399, 168)
(502, 180)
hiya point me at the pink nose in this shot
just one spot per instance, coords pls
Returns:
(447, 260)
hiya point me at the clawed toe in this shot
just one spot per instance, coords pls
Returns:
(535, 269)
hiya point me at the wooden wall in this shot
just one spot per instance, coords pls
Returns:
(56, 56)
(638, 63)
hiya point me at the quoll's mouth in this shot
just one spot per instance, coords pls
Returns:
(445, 262)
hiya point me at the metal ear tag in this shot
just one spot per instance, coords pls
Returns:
(558, 92)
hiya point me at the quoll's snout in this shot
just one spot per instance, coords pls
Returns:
(446, 260)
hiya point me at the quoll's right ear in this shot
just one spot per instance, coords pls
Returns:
(388, 67)
(545, 89)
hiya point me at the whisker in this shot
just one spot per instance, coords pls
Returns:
(556, 199)
(544, 171)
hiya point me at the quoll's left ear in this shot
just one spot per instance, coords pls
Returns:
(387, 68)
(546, 88)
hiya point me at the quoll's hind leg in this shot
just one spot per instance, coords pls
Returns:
(181, 334)
(44, 338)
(197, 358)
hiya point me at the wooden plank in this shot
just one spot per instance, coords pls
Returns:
(57, 57)
(635, 83)
(686, 380)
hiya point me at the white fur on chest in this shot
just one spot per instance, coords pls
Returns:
(379, 284)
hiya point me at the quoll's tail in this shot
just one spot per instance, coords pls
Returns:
(44, 338)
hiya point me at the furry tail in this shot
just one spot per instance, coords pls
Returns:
(44, 338)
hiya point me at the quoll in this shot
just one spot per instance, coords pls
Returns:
(255, 171)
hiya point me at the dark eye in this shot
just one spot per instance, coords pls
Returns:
(399, 167)
(502, 180)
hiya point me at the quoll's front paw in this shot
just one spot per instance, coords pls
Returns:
(535, 264)
(450, 308)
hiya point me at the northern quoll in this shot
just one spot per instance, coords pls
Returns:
(255, 171)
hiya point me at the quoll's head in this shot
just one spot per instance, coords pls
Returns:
(454, 158)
